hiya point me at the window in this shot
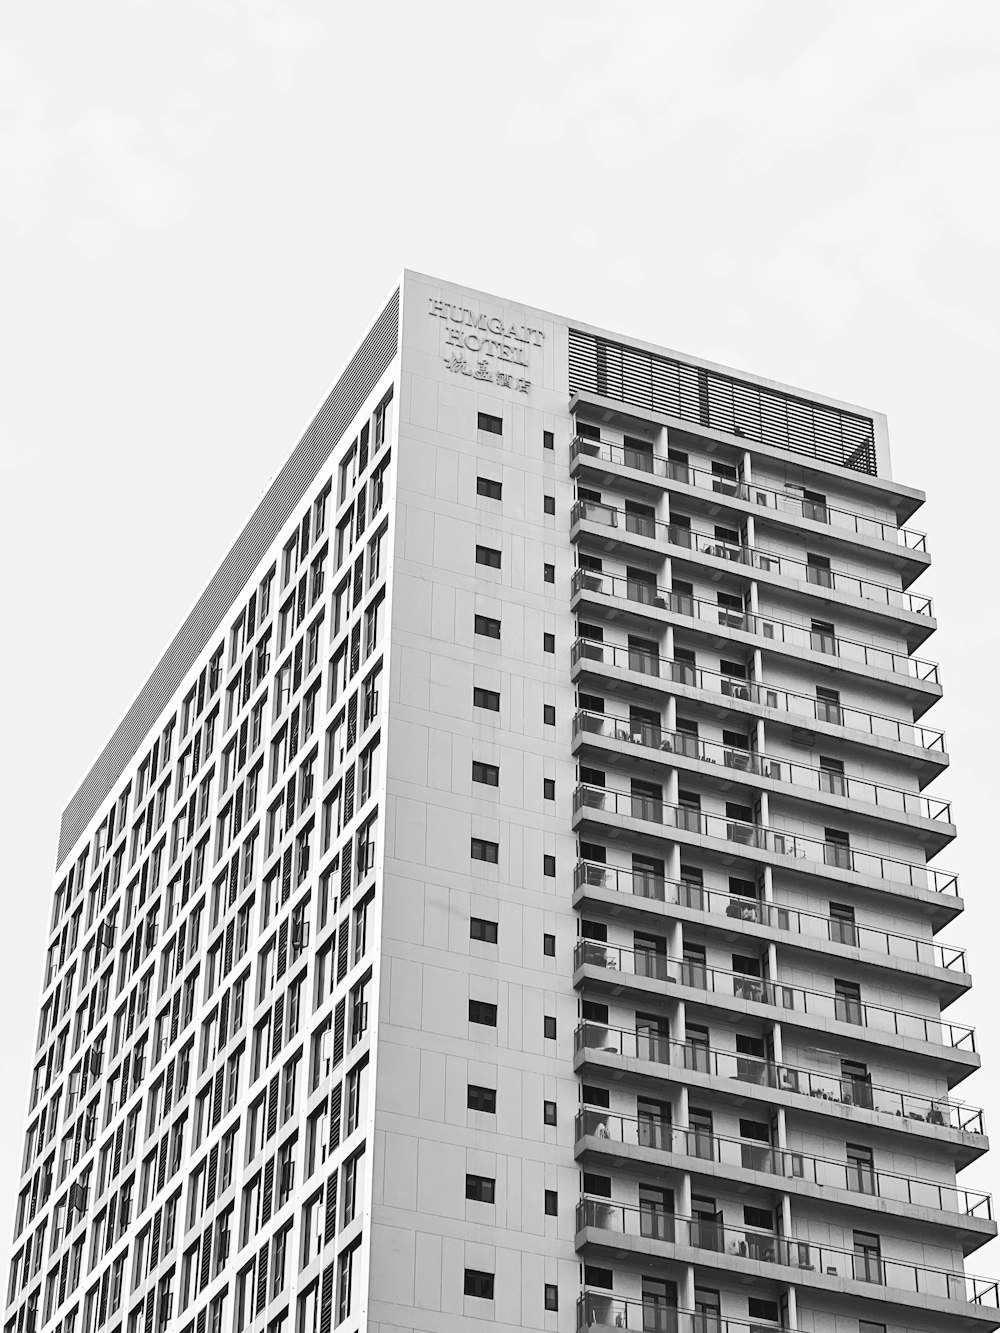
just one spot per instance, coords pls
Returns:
(866, 1325)
(550, 573)
(831, 776)
(489, 699)
(485, 851)
(867, 1257)
(479, 1284)
(549, 1113)
(488, 774)
(492, 425)
(483, 1013)
(551, 1296)
(549, 1028)
(549, 504)
(847, 1001)
(818, 571)
(487, 627)
(549, 946)
(481, 1099)
(549, 643)
(549, 866)
(828, 707)
(482, 1189)
(842, 927)
(488, 555)
(860, 1169)
(549, 789)
(492, 490)
(549, 715)
(551, 1203)
(483, 930)
(823, 636)
(837, 849)
(548, 439)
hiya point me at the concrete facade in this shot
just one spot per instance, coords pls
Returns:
(515, 900)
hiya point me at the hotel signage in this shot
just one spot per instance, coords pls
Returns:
(500, 351)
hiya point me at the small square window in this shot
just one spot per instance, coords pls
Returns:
(482, 850)
(493, 425)
(550, 504)
(551, 1203)
(486, 699)
(481, 1099)
(549, 946)
(479, 1284)
(487, 627)
(479, 929)
(549, 1113)
(550, 1028)
(548, 714)
(548, 439)
(549, 789)
(488, 555)
(483, 1013)
(492, 490)
(487, 774)
(481, 1188)
(550, 573)
(548, 865)
(549, 643)
(551, 1296)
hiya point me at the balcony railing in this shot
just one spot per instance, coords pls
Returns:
(776, 994)
(658, 1048)
(752, 1155)
(759, 692)
(605, 1310)
(844, 785)
(748, 622)
(784, 502)
(710, 1234)
(810, 925)
(760, 837)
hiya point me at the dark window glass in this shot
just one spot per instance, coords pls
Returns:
(550, 504)
(483, 930)
(551, 1296)
(494, 425)
(486, 699)
(479, 1284)
(549, 1113)
(488, 774)
(550, 1028)
(482, 1099)
(483, 1013)
(549, 714)
(549, 865)
(488, 555)
(485, 851)
(550, 573)
(488, 627)
(493, 490)
(551, 1203)
(548, 439)
(549, 643)
(549, 789)
(480, 1188)
(549, 946)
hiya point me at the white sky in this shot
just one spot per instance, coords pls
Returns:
(201, 204)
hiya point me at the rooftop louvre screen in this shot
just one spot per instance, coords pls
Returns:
(709, 398)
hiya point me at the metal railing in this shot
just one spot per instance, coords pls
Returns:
(709, 1233)
(778, 563)
(761, 837)
(810, 925)
(750, 622)
(845, 785)
(753, 1155)
(605, 1310)
(797, 506)
(759, 692)
(756, 1071)
(776, 994)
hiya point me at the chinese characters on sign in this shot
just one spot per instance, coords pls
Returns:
(458, 365)
(496, 345)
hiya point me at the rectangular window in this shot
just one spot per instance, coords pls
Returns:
(479, 1284)
(487, 627)
(551, 1296)
(485, 851)
(549, 789)
(549, 1028)
(483, 1013)
(492, 490)
(549, 1113)
(548, 439)
(549, 866)
(550, 573)
(549, 715)
(480, 1188)
(481, 1099)
(488, 774)
(488, 555)
(489, 699)
(492, 425)
(548, 643)
(551, 1203)
(549, 946)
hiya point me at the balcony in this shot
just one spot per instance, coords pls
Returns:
(903, 1107)
(588, 800)
(601, 1125)
(887, 800)
(785, 503)
(875, 726)
(809, 926)
(790, 999)
(774, 633)
(602, 1309)
(710, 1235)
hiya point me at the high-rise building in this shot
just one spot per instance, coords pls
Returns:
(510, 899)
